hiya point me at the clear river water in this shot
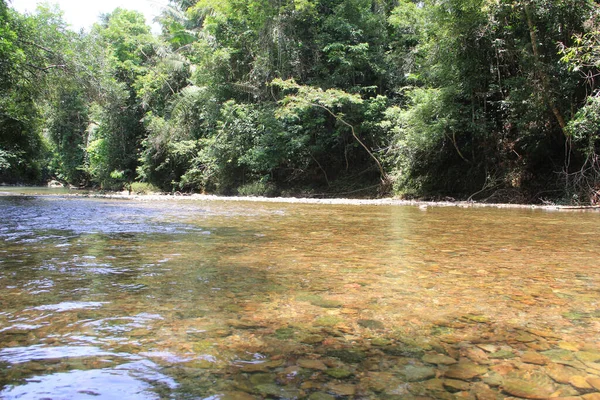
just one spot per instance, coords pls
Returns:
(181, 299)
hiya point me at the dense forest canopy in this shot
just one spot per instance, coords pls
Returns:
(482, 99)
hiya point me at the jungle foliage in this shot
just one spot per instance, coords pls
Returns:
(490, 100)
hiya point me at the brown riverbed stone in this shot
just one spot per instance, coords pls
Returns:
(454, 385)
(544, 333)
(525, 338)
(580, 382)
(477, 355)
(236, 396)
(381, 381)
(431, 389)
(561, 373)
(415, 373)
(568, 398)
(490, 348)
(594, 381)
(503, 369)
(438, 359)
(591, 396)
(312, 364)
(320, 396)
(245, 324)
(533, 357)
(481, 391)
(342, 389)
(465, 370)
(594, 367)
(527, 389)
(261, 367)
(588, 356)
(569, 346)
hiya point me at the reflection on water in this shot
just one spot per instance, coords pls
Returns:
(183, 299)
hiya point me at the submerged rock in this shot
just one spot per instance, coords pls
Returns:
(236, 396)
(378, 341)
(465, 371)
(312, 339)
(380, 381)
(527, 389)
(414, 373)
(347, 356)
(588, 356)
(339, 373)
(561, 373)
(532, 357)
(245, 324)
(454, 385)
(438, 359)
(320, 396)
(342, 389)
(312, 364)
(271, 389)
(370, 324)
(404, 350)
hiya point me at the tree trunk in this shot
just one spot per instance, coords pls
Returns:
(544, 79)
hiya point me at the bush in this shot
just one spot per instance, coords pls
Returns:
(258, 188)
(144, 188)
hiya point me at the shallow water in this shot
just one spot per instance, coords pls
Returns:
(185, 299)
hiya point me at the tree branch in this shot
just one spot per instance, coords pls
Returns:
(337, 117)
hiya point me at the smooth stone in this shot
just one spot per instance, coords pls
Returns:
(480, 319)
(438, 359)
(312, 339)
(465, 371)
(559, 355)
(502, 354)
(342, 389)
(544, 333)
(483, 392)
(525, 338)
(431, 389)
(339, 373)
(284, 333)
(261, 379)
(526, 389)
(347, 356)
(380, 342)
(569, 346)
(370, 324)
(588, 356)
(404, 350)
(493, 379)
(490, 348)
(312, 364)
(261, 367)
(594, 381)
(320, 396)
(454, 385)
(245, 324)
(591, 396)
(236, 396)
(413, 373)
(580, 382)
(561, 373)
(271, 389)
(532, 357)
(477, 355)
(379, 381)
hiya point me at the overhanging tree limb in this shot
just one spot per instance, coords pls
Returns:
(308, 96)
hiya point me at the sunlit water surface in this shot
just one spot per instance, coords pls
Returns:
(122, 299)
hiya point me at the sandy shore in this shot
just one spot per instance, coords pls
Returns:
(338, 201)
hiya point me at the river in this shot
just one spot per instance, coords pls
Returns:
(181, 299)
